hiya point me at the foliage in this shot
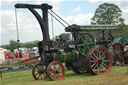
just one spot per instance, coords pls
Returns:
(110, 14)
(30, 44)
(13, 45)
(121, 32)
(107, 14)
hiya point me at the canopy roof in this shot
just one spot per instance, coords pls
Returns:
(90, 27)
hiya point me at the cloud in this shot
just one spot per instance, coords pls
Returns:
(13, 1)
(95, 1)
(125, 15)
(56, 1)
(28, 27)
(7, 26)
(80, 19)
(56, 4)
(123, 5)
(74, 10)
(39, 1)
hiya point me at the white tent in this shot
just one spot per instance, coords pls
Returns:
(2, 55)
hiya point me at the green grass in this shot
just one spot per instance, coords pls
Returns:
(117, 76)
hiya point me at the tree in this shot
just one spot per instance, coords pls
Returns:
(107, 14)
(122, 25)
(12, 45)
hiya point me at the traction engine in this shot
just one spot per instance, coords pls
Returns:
(80, 54)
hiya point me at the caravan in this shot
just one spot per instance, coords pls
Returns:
(2, 55)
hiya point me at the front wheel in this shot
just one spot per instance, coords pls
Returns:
(38, 71)
(55, 71)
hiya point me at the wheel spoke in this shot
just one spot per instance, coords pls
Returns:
(103, 55)
(116, 50)
(93, 58)
(96, 66)
(103, 66)
(94, 55)
(36, 74)
(82, 38)
(106, 61)
(37, 71)
(39, 76)
(93, 61)
(93, 65)
(97, 53)
(84, 50)
(100, 68)
(54, 75)
(54, 66)
(38, 67)
(42, 76)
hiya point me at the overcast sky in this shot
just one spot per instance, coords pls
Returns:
(73, 11)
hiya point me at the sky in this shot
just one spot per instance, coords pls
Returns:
(72, 11)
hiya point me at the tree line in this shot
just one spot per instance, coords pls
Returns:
(13, 45)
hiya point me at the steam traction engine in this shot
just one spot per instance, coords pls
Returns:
(80, 53)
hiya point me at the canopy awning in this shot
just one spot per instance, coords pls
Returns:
(90, 27)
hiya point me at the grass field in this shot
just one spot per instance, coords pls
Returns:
(117, 76)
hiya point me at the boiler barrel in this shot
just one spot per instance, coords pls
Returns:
(67, 56)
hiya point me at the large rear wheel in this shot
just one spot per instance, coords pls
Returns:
(99, 61)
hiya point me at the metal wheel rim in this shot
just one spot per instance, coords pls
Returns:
(118, 52)
(38, 72)
(55, 70)
(100, 60)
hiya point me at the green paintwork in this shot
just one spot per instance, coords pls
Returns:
(70, 56)
(85, 47)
